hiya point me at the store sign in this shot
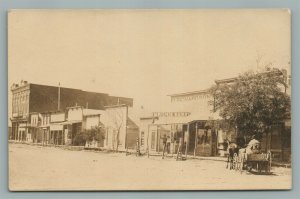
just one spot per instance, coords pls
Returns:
(56, 127)
(193, 97)
(171, 114)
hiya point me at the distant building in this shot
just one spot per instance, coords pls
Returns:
(32, 101)
(121, 130)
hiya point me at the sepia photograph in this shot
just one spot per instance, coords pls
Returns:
(149, 99)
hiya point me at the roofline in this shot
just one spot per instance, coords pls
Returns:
(229, 80)
(57, 86)
(34, 113)
(45, 112)
(149, 118)
(57, 111)
(73, 107)
(117, 105)
(92, 115)
(189, 93)
(156, 124)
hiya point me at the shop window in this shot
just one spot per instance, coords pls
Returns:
(287, 138)
(203, 137)
(142, 138)
(152, 139)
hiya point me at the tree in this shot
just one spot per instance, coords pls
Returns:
(96, 133)
(117, 120)
(252, 102)
(80, 139)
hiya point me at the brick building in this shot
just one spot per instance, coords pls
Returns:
(29, 99)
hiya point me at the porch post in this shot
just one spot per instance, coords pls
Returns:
(282, 134)
(16, 131)
(196, 139)
(158, 138)
(187, 140)
(148, 141)
(43, 136)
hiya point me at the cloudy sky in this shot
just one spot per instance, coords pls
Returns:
(143, 54)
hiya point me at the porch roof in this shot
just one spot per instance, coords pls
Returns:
(70, 122)
(188, 119)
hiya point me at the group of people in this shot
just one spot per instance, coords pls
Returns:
(252, 147)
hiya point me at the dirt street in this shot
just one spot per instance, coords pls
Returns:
(49, 168)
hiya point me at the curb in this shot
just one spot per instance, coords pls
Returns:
(132, 152)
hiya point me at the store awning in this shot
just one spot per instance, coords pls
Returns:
(70, 122)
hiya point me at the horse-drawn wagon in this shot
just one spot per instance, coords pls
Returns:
(258, 162)
(251, 157)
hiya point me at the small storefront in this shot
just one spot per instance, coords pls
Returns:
(45, 131)
(195, 138)
(18, 129)
(199, 139)
(69, 130)
(56, 134)
(22, 134)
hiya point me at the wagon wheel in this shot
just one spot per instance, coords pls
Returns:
(259, 164)
(269, 161)
(241, 162)
(248, 166)
(267, 167)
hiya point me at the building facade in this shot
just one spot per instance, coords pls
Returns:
(38, 110)
(278, 139)
(196, 127)
(121, 130)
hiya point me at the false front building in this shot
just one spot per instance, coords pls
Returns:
(191, 124)
(186, 125)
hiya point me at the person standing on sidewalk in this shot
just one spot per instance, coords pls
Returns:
(168, 144)
(138, 152)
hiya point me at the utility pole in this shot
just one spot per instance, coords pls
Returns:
(126, 130)
(58, 104)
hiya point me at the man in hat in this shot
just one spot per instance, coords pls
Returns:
(252, 147)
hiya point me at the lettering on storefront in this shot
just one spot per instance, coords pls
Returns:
(190, 97)
(171, 114)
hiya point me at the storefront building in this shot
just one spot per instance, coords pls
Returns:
(35, 110)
